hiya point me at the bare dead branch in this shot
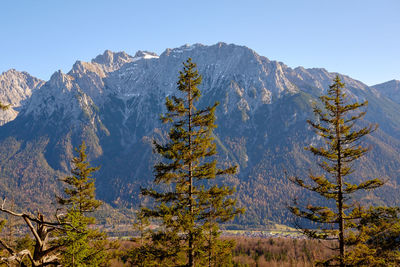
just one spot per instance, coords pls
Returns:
(57, 224)
(33, 230)
(7, 247)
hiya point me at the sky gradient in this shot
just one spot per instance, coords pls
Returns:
(360, 38)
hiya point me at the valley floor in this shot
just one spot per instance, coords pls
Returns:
(271, 251)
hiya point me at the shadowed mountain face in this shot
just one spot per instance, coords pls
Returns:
(114, 103)
(390, 89)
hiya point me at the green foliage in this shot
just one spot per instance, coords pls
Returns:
(375, 237)
(24, 242)
(83, 246)
(189, 213)
(81, 189)
(335, 126)
(2, 224)
(220, 208)
(144, 254)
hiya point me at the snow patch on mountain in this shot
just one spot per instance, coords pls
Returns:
(145, 55)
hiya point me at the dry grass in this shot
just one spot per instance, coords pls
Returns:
(279, 252)
(271, 252)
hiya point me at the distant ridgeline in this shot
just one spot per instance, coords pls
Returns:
(114, 103)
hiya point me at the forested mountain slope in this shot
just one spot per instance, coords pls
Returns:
(114, 103)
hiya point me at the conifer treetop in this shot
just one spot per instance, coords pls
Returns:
(81, 189)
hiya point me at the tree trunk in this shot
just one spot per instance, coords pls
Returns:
(339, 182)
(191, 238)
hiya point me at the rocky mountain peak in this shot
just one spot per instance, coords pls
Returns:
(317, 80)
(145, 55)
(112, 61)
(89, 76)
(61, 96)
(182, 49)
(14, 77)
(60, 80)
(11, 72)
(81, 68)
(15, 88)
(389, 89)
(388, 84)
(246, 79)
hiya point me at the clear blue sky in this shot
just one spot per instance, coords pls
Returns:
(360, 38)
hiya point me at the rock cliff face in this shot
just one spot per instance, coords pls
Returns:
(114, 103)
(15, 88)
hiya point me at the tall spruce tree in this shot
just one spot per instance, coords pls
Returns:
(187, 210)
(82, 246)
(335, 124)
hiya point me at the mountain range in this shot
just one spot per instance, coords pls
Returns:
(114, 102)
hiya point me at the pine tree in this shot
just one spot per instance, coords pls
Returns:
(336, 121)
(184, 212)
(82, 246)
